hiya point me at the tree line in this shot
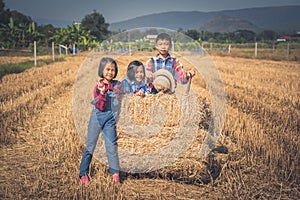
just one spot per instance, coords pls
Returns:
(19, 31)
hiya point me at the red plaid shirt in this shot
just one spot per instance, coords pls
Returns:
(114, 86)
(178, 72)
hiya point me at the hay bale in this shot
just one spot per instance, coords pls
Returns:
(149, 124)
(142, 109)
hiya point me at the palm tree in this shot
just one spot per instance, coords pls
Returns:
(10, 33)
(78, 36)
(73, 34)
(33, 34)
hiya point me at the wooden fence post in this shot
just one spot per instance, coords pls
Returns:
(34, 52)
(62, 46)
(59, 50)
(255, 53)
(288, 49)
(53, 57)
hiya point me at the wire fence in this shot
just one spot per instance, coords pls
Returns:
(19, 60)
(40, 49)
(274, 51)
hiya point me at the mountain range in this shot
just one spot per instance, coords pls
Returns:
(284, 19)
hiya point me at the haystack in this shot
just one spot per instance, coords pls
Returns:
(161, 135)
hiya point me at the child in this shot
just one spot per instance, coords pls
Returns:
(163, 60)
(134, 83)
(103, 117)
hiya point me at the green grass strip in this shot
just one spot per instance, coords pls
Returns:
(11, 68)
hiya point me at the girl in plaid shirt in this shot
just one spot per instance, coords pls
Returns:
(134, 83)
(103, 117)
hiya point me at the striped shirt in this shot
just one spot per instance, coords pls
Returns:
(131, 87)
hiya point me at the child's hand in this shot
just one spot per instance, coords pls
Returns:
(140, 93)
(190, 73)
(149, 75)
(101, 86)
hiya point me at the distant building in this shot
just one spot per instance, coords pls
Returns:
(151, 38)
(76, 23)
(285, 38)
(281, 40)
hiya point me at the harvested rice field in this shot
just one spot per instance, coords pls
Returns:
(256, 155)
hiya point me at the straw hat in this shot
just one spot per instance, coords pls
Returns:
(164, 81)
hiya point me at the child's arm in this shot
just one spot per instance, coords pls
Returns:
(144, 89)
(118, 90)
(101, 103)
(180, 75)
(149, 73)
(126, 87)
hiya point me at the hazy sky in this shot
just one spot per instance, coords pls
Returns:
(119, 10)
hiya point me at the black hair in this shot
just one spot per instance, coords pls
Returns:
(132, 68)
(103, 63)
(163, 36)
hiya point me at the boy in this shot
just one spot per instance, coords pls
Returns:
(163, 60)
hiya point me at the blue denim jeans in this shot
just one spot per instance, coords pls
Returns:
(105, 121)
